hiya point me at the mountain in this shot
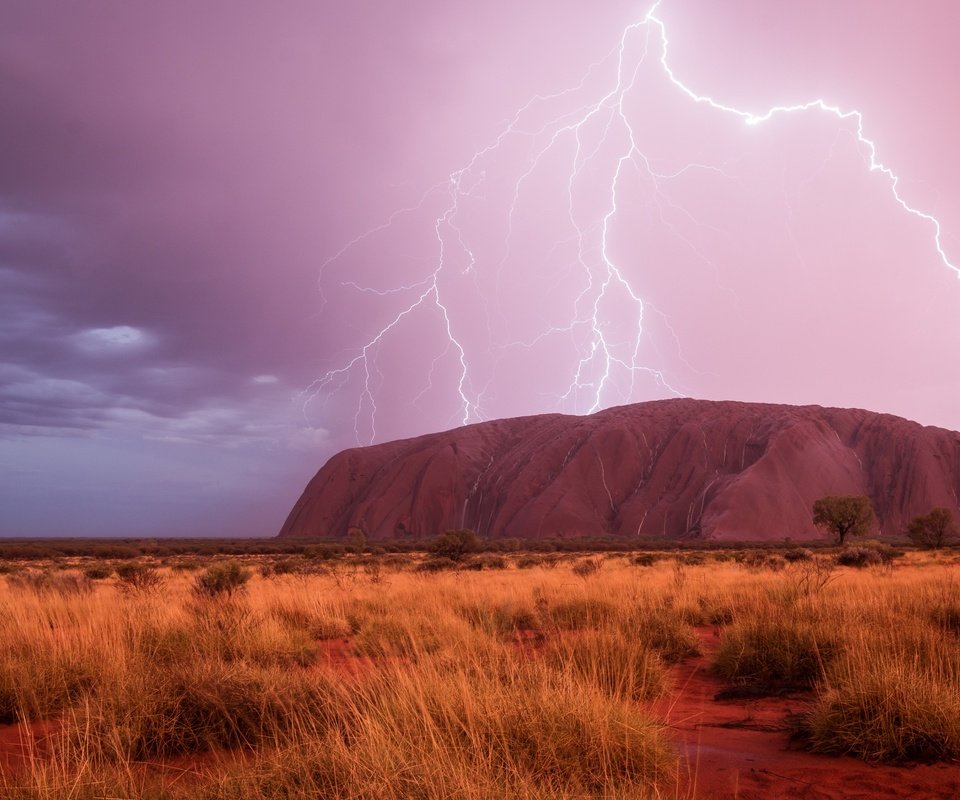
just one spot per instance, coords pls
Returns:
(665, 469)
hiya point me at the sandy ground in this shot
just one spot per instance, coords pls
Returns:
(742, 748)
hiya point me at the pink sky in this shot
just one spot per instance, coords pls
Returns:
(175, 180)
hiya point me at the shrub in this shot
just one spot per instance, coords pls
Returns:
(587, 567)
(222, 580)
(753, 558)
(887, 702)
(933, 530)
(455, 544)
(139, 578)
(576, 614)
(486, 562)
(183, 709)
(503, 620)
(795, 554)
(529, 560)
(286, 566)
(663, 630)
(645, 559)
(437, 564)
(616, 665)
(859, 557)
(44, 582)
(98, 572)
(774, 650)
(775, 563)
(324, 552)
(947, 617)
(888, 554)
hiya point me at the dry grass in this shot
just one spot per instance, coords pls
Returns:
(527, 683)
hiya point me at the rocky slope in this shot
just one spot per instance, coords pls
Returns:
(664, 469)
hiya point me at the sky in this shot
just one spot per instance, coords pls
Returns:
(237, 237)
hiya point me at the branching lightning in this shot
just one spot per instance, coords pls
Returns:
(602, 355)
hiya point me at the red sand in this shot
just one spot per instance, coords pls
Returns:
(22, 742)
(742, 749)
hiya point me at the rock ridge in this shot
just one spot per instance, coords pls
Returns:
(667, 469)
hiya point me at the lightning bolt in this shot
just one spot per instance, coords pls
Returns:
(604, 360)
(752, 118)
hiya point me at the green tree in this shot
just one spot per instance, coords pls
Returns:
(932, 530)
(843, 516)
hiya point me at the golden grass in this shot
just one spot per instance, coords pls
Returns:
(526, 683)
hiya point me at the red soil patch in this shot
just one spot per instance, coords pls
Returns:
(742, 749)
(338, 655)
(23, 742)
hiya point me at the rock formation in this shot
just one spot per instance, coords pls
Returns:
(659, 470)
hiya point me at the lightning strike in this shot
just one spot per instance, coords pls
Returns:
(601, 356)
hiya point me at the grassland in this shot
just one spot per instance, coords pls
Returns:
(518, 675)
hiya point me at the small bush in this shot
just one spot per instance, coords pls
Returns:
(486, 562)
(43, 582)
(577, 614)
(198, 706)
(455, 544)
(614, 664)
(775, 563)
(222, 580)
(587, 567)
(529, 560)
(324, 552)
(645, 559)
(775, 651)
(885, 704)
(947, 617)
(139, 578)
(859, 557)
(753, 558)
(663, 630)
(503, 620)
(98, 572)
(437, 564)
(273, 569)
(889, 554)
(796, 554)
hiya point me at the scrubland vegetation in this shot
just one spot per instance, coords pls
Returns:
(481, 676)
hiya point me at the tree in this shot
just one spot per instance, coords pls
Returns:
(932, 530)
(844, 516)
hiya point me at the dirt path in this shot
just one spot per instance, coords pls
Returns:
(742, 749)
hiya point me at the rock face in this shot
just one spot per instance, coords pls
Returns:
(665, 469)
